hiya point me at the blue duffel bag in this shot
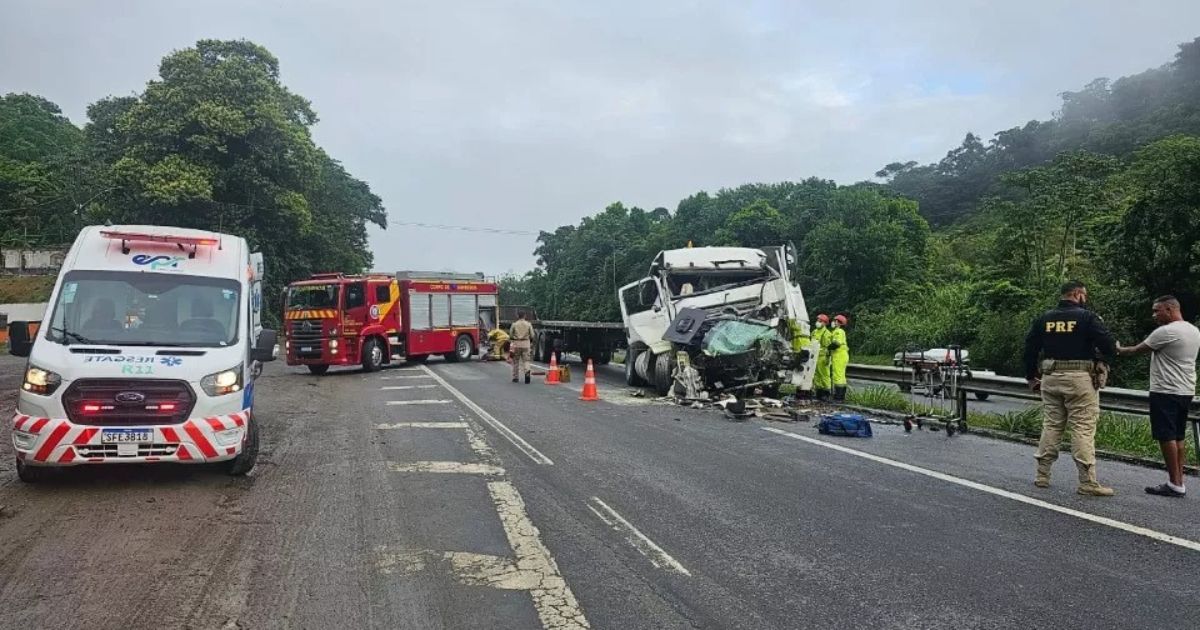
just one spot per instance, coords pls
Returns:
(845, 424)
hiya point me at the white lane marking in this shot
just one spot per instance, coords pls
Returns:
(470, 569)
(658, 557)
(1087, 516)
(479, 445)
(525, 447)
(397, 403)
(397, 378)
(399, 388)
(465, 468)
(552, 597)
(422, 425)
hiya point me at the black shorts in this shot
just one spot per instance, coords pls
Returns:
(1169, 416)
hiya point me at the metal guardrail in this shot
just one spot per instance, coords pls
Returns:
(1131, 401)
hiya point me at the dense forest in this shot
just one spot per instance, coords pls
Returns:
(215, 142)
(965, 250)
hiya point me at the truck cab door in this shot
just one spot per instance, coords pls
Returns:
(644, 314)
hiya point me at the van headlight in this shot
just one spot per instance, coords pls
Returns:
(223, 382)
(41, 382)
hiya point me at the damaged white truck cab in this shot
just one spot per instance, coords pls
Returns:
(734, 315)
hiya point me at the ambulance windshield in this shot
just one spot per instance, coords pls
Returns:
(145, 309)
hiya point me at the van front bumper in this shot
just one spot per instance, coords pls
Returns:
(59, 442)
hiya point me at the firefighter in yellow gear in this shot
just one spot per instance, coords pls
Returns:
(822, 380)
(839, 356)
(498, 339)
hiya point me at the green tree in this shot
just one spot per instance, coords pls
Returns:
(218, 142)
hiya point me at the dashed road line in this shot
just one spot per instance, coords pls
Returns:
(525, 447)
(422, 425)
(657, 556)
(1020, 498)
(400, 388)
(462, 468)
(552, 597)
(399, 403)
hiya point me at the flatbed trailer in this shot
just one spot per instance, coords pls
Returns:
(590, 340)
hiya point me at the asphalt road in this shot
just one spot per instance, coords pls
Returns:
(448, 497)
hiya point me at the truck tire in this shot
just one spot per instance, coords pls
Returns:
(30, 474)
(982, 395)
(663, 379)
(245, 460)
(604, 357)
(372, 355)
(540, 353)
(631, 376)
(463, 349)
(318, 370)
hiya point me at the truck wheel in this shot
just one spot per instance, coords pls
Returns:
(30, 474)
(462, 349)
(631, 376)
(318, 369)
(604, 357)
(543, 349)
(245, 460)
(372, 358)
(982, 395)
(662, 374)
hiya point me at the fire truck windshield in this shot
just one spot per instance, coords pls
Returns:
(313, 296)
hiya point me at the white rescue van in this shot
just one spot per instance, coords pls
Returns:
(148, 352)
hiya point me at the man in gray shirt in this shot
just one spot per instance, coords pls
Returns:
(1174, 345)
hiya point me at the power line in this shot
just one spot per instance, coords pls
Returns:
(465, 228)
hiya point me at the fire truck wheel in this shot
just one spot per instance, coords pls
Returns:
(318, 369)
(372, 357)
(463, 349)
(245, 460)
(30, 474)
(662, 374)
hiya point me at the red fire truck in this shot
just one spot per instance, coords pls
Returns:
(374, 319)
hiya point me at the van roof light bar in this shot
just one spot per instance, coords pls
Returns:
(138, 237)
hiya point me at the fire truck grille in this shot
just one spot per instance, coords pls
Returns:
(306, 331)
(114, 401)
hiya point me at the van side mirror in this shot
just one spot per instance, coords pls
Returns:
(19, 342)
(264, 347)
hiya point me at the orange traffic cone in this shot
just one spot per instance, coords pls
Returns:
(589, 384)
(552, 373)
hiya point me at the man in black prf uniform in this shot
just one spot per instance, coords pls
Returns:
(1069, 338)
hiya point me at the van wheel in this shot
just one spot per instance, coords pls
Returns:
(662, 374)
(318, 369)
(372, 358)
(30, 474)
(631, 375)
(463, 349)
(245, 460)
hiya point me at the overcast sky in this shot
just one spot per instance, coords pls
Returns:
(526, 115)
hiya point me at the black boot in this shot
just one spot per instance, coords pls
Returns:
(822, 394)
(839, 393)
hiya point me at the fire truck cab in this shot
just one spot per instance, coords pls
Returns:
(374, 319)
